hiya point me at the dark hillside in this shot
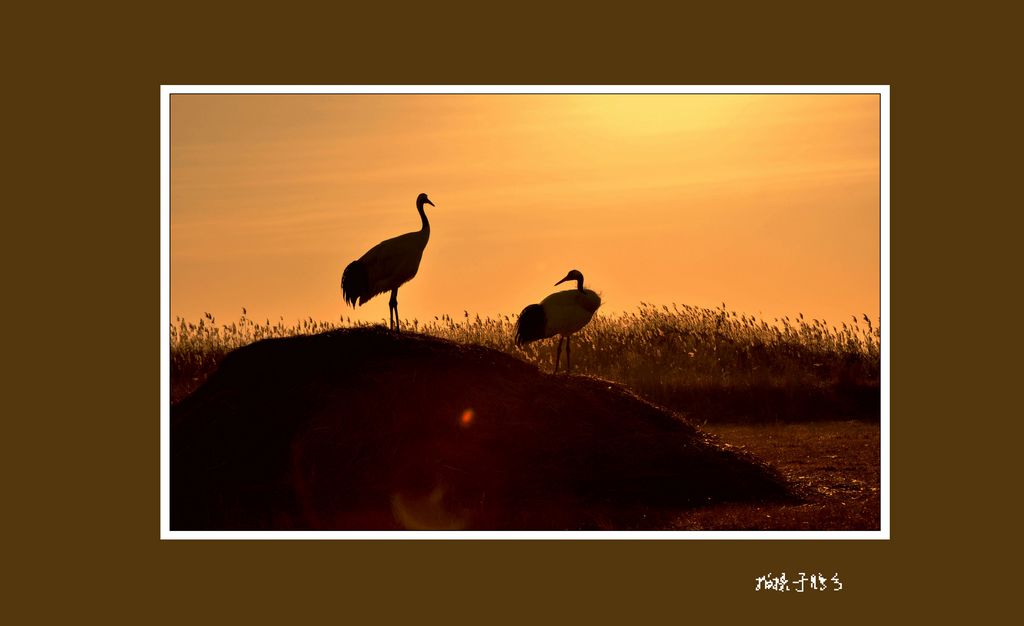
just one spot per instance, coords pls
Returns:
(362, 429)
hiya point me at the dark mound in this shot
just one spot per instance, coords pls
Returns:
(363, 429)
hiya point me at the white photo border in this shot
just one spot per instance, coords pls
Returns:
(166, 91)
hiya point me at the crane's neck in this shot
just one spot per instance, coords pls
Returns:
(423, 217)
(579, 283)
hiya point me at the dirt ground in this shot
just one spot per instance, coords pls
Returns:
(836, 465)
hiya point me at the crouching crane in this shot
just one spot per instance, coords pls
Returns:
(562, 313)
(387, 266)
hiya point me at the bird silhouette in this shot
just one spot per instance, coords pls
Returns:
(387, 266)
(562, 313)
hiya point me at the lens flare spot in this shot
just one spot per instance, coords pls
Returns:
(425, 511)
(467, 417)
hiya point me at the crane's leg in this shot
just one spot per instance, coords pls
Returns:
(568, 353)
(558, 353)
(394, 306)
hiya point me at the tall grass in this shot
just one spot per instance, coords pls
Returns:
(690, 358)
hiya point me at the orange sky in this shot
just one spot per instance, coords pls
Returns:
(769, 203)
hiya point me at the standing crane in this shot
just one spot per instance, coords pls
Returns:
(562, 313)
(387, 266)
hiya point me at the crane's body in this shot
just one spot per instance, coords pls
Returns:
(387, 266)
(562, 313)
(568, 311)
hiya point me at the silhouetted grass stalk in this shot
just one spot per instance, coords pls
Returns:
(660, 352)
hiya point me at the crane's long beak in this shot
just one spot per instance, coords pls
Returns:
(429, 202)
(567, 277)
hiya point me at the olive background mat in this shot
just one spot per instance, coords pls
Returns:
(82, 271)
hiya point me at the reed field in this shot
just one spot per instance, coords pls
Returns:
(710, 364)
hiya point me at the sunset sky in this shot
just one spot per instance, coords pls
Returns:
(769, 203)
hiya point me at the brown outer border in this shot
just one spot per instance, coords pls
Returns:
(84, 117)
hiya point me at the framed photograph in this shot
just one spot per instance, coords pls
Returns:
(525, 312)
